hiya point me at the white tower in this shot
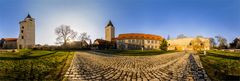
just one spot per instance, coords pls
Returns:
(26, 37)
(109, 31)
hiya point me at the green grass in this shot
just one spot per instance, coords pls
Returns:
(28, 65)
(225, 53)
(134, 52)
(221, 66)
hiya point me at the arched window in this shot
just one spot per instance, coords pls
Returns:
(201, 44)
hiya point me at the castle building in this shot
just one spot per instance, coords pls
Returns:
(137, 41)
(109, 32)
(129, 41)
(26, 37)
(188, 44)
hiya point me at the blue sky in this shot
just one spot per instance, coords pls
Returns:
(162, 17)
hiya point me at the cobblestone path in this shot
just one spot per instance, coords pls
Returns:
(91, 66)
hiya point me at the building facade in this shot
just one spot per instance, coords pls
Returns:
(109, 32)
(8, 43)
(26, 37)
(137, 41)
(128, 41)
(189, 44)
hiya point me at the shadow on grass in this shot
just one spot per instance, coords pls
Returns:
(224, 56)
(23, 57)
(133, 52)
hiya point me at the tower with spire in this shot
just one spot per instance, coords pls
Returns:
(109, 31)
(26, 37)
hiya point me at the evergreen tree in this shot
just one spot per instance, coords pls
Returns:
(235, 44)
(164, 45)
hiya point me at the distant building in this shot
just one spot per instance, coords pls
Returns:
(109, 32)
(127, 41)
(26, 37)
(100, 44)
(8, 43)
(79, 44)
(187, 43)
(134, 41)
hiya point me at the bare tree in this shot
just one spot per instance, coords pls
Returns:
(199, 36)
(84, 36)
(222, 42)
(212, 42)
(181, 36)
(65, 34)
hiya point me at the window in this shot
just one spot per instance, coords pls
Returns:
(148, 41)
(22, 37)
(22, 27)
(22, 31)
(152, 41)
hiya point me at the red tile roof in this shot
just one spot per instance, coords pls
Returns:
(9, 39)
(139, 36)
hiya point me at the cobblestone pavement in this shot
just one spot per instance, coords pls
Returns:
(91, 66)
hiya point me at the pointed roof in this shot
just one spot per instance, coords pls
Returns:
(109, 23)
(28, 16)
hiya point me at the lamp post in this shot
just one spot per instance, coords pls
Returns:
(205, 51)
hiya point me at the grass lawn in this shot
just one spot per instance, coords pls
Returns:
(29, 65)
(222, 66)
(224, 53)
(134, 52)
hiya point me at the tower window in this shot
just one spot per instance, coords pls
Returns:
(22, 37)
(22, 31)
(22, 27)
